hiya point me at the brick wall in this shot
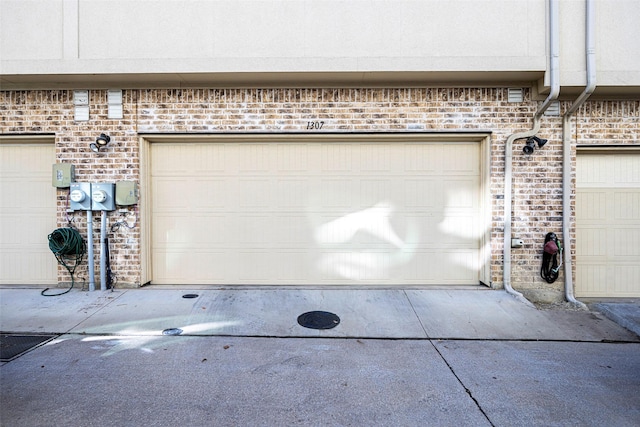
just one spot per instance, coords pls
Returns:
(537, 190)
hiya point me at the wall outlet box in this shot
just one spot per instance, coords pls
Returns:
(63, 175)
(126, 193)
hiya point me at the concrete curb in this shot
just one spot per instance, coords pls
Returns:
(626, 315)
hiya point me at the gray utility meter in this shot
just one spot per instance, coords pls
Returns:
(84, 196)
(102, 196)
(80, 196)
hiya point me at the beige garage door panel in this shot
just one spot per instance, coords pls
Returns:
(608, 225)
(27, 214)
(315, 213)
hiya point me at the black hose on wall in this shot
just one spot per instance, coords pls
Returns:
(69, 248)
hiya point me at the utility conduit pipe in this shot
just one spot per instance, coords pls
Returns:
(508, 171)
(103, 251)
(566, 150)
(554, 65)
(92, 276)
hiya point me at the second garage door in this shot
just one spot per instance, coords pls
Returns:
(315, 213)
(608, 224)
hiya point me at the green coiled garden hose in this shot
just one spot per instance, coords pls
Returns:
(69, 248)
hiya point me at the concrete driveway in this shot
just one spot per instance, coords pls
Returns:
(397, 357)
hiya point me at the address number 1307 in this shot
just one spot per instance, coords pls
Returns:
(314, 125)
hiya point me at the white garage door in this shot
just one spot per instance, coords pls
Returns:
(27, 214)
(608, 225)
(315, 213)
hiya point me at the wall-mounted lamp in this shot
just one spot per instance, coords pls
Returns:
(101, 142)
(531, 142)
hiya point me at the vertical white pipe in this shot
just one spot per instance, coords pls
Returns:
(554, 63)
(103, 251)
(566, 148)
(92, 277)
(554, 57)
(508, 172)
(590, 58)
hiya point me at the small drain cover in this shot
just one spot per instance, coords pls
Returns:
(189, 296)
(318, 320)
(172, 331)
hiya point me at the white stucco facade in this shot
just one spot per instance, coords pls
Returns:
(170, 43)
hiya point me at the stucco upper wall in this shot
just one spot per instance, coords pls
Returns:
(208, 42)
(617, 43)
(172, 39)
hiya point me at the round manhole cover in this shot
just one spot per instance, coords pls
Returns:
(172, 331)
(189, 296)
(318, 320)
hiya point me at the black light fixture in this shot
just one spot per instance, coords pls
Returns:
(101, 142)
(531, 142)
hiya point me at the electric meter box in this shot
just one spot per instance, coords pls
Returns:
(63, 175)
(102, 196)
(80, 196)
(126, 193)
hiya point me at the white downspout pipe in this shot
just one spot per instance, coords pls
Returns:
(566, 150)
(554, 58)
(554, 67)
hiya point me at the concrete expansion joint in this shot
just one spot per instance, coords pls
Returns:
(360, 339)
(466, 389)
